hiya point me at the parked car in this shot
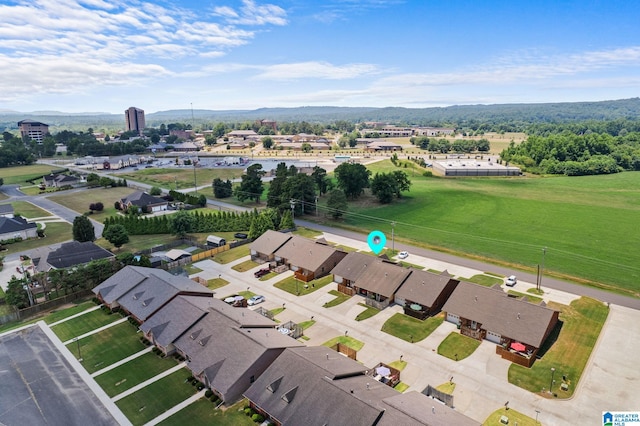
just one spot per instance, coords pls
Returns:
(231, 299)
(240, 235)
(261, 272)
(255, 300)
(403, 255)
(511, 281)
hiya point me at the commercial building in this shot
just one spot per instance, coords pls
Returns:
(134, 118)
(34, 130)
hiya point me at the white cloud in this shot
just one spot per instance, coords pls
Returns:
(251, 13)
(321, 70)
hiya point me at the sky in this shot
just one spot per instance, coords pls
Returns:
(107, 55)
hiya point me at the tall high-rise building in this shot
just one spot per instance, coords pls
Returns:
(134, 118)
(35, 130)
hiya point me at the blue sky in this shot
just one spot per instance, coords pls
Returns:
(107, 55)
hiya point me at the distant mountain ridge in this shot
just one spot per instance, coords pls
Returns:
(456, 115)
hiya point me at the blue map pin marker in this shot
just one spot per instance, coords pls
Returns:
(376, 241)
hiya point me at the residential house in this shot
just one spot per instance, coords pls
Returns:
(518, 327)
(141, 292)
(143, 202)
(116, 163)
(68, 255)
(308, 259)
(379, 145)
(17, 227)
(170, 322)
(315, 386)
(264, 247)
(376, 279)
(423, 293)
(6, 210)
(228, 359)
(186, 146)
(58, 180)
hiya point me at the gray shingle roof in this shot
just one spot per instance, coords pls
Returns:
(142, 199)
(423, 287)
(76, 253)
(353, 264)
(305, 253)
(6, 208)
(382, 278)
(14, 224)
(507, 316)
(422, 410)
(269, 242)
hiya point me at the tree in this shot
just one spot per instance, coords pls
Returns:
(16, 294)
(384, 187)
(83, 229)
(402, 181)
(251, 185)
(319, 175)
(93, 179)
(222, 189)
(259, 225)
(337, 203)
(116, 235)
(267, 142)
(98, 206)
(302, 189)
(286, 222)
(1, 181)
(352, 179)
(182, 223)
(106, 182)
(155, 191)
(275, 193)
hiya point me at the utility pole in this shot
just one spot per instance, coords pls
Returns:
(544, 253)
(393, 243)
(292, 203)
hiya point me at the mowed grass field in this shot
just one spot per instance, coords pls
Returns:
(79, 201)
(167, 178)
(21, 174)
(587, 224)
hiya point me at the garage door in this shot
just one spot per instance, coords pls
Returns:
(453, 318)
(493, 337)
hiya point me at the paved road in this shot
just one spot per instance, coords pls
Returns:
(565, 286)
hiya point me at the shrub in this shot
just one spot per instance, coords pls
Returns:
(194, 382)
(248, 411)
(215, 400)
(200, 386)
(257, 418)
(208, 393)
(190, 378)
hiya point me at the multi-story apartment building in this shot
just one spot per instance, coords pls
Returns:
(33, 130)
(134, 118)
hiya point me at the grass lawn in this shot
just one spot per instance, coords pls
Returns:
(398, 365)
(138, 242)
(58, 315)
(28, 210)
(233, 254)
(83, 324)
(457, 347)
(484, 280)
(354, 344)
(411, 329)
(447, 388)
(79, 201)
(340, 298)
(536, 291)
(509, 221)
(153, 400)
(5, 309)
(401, 387)
(21, 174)
(307, 232)
(203, 412)
(247, 294)
(111, 345)
(276, 311)
(307, 324)
(367, 313)
(410, 265)
(216, 283)
(514, 416)
(530, 297)
(167, 178)
(190, 269)
(297, 287)
(267, 276)
(581, 325)
(245, 266)
(56, 232)
(133, 373)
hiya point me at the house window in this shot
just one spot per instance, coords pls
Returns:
(252, 379)
(474, 325)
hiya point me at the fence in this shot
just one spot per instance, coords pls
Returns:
(439, 395)
(346, 350)
(265, 313)
(9, 317)
(45, 306)
(295, 330)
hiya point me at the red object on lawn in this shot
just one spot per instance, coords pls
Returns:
(518, 346)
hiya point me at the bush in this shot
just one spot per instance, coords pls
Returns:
(215, 400)
(194, 382)
(257, 418)
(208, 393)
(249, 412)
(190, 378)
(200, 386)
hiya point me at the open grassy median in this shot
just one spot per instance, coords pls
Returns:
(411, 329)
(108, 346)
(134, 372)
(153, 400)
(457, 347)
(570, 343)
(203, 412)
(28, 210)
(83, 324)
(339, 298)
(484, 280)
(514, 417)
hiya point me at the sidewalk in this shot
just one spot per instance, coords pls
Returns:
(97, 330)
(148, 382)
(122, 361)
(177, 408)
(79, 314)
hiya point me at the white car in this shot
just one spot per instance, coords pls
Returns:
(511, 281)
(403, 255)
(255, 300)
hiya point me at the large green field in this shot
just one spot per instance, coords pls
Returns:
(79, 201)
(167, 178)
(587, 224)
(21, 174)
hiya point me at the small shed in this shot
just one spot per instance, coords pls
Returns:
(213, 241)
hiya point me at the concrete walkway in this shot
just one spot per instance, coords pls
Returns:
(95, 308)
(177, 408)
(123, 361)
(97, 330)
(148, 382)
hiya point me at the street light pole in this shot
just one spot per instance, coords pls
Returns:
(292, 203)
(544, 252)
(537, 412)
(393, 243)
(79, 354)
(195, 184)
(553, 371)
